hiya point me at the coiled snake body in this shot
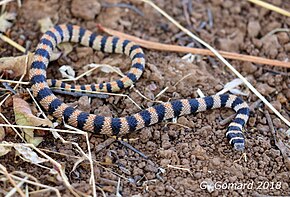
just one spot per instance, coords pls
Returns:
(119, 126)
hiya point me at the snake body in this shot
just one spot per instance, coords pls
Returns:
(119, 126)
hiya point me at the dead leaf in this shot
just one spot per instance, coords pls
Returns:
(4, 150)
(29, 154)
(24, 116)
(45, 24)
(67, 72)
(5, 21)
(15, 66)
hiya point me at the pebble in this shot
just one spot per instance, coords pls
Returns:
(232, 45)
(84, 52)
(253, 28)
(287, 47)
(216, 161)
(197, 175)
(271, 45)
(283, 38)
(276, 104)
(85, 9)
(281, 98)
(265, 89)
(249, 68)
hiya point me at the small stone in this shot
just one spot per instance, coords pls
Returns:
(283, 38)
(137, 171)
(277, 105)
(271, 45)
(252, 121)
(253, 28)
(216, 161)
(182, 120)
(281, 98)
(165, 162)
(287, 47)
(257, 42)
(84, 52)
(197, 175)
(232, 179)
(249, 68)
(85, 9)
(270, 26)
(199, 153)
(84, 104)
(150, 168)
(232, 45)
(265, 89)
(277, 123)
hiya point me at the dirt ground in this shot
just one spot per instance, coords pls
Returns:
(192, 156)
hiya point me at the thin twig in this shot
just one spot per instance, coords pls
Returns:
(182, 49)
(132, 148)
(4, 170)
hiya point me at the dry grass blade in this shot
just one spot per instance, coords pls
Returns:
(4, 170)
(56, 165)
(36, 184)
(219, 56)
(270, 7)
(3, 2)
(182, 49)
(14, 190)
(180, 168)
(12, 43)
(89, 157)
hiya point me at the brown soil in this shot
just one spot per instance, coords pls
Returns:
(238, 26)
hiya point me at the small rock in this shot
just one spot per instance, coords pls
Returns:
(199, 153)
(253, 29)
(232, 179)
(269, 26)
(84, 104)
(85, 9)
(249, 68)
(283, 38)
(265, 89)
(281, 98)
(257, 42)
(216, 161)
(182, 120)
(137, 171)
(277, 123)
(252, 121)
(287, 47)
(277, 105)
(197, 175)
(165, 162)
(271, 45)
(234, 44)
(150, 168)
(84, 52)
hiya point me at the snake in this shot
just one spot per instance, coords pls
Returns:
(117, 126)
